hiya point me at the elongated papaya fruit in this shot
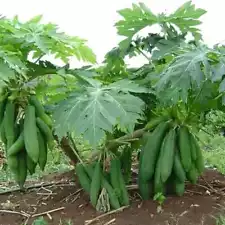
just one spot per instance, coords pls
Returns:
(199, 162)
(84, 180)
(126, 162)
(192, 174)
(124, 198)
(143, 186)
(96, 184)
(114, 176)
(45, 130)
(22, 168)
(168, 150)
(179, 187)
(158, 184)
(2, 109)
(193, 147)
(155, 122)
(17, 145)
(30, 134)
(43, 152)
(178, 169)
(145, 138)
(114, 201)
(40, 111)
(13, 163)
(185, 148)
(151, 151)
(9, 121)
(2, 133)
(31, 166)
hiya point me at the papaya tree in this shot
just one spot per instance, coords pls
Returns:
(155, 109)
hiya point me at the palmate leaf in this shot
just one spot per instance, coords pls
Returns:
(46, 39)
(186, 18)
(97, 109)
(189, 67)
(218, 72)
(6, 73)
(19, 41)
(206, 99)
(135, 19)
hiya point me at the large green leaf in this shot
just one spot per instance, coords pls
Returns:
(21, 42)
(218, 70)
(184, 71)
(186, 18)
(97, 109)
(5, 73)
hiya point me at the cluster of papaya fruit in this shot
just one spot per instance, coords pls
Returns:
(107, 189)
(170, 155)
(25, 130)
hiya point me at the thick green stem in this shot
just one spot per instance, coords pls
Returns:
(112, 144)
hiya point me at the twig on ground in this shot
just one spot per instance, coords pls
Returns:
(76, 197)
(208, 184)
(71, 194)
(88, 222)
(26, 222)
(194, 192)
(47, 212)
(49, 191)
(183, 213)
(109, 222)
(28, 215)
(14, 212)
(59, 183)
(205, 187)
(49, 216)
(211, 188)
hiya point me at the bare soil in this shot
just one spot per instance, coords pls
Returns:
(196, 207)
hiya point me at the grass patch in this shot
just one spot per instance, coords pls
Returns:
(213, 151)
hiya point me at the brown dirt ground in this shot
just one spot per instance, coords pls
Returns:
(196, 207)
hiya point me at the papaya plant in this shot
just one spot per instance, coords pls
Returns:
(155, 109)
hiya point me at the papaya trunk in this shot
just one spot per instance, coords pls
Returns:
(66, 148)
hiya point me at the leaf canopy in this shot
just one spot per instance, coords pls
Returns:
(21, 42)
(186, 18)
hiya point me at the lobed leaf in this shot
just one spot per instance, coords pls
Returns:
(97, 109)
